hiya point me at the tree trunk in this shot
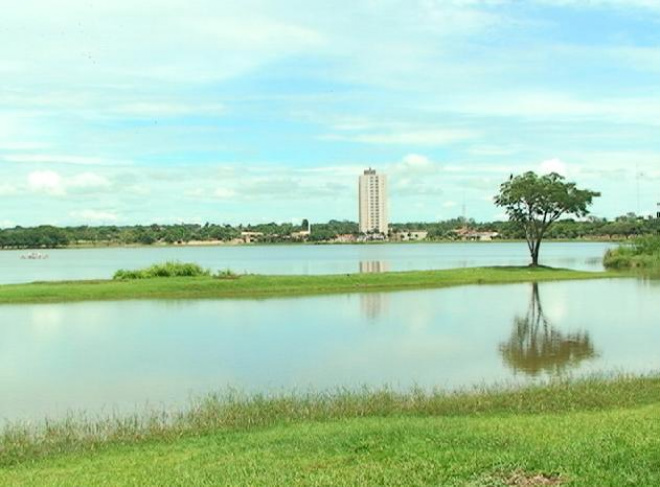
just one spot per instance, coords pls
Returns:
(535, 253)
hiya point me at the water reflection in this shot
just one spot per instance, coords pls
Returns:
(107, 356)
(374, 305)
(535, 346)
(374, 266)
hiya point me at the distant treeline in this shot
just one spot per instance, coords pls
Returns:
(47, 236)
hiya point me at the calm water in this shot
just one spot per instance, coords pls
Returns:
(295, 259)
(120, 356)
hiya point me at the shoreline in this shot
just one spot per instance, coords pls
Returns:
(588, 429)
(255, 286)
(205, 243)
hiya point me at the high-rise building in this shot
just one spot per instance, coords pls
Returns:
(373, 202)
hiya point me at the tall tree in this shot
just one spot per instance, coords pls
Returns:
(535, 202)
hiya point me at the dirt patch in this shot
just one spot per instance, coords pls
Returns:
(523, 479)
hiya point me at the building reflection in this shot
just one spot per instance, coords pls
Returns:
(374, 305)
(535, 346)
(374, 266)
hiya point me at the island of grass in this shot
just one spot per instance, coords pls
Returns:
(188, 281)
(590, 432)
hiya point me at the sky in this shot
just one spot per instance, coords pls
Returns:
(251, 111)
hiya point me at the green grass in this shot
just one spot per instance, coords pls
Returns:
(167, 269)
(261, 286)
(580, 433)
(640, 253)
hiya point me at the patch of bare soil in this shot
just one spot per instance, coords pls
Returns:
(523, 479)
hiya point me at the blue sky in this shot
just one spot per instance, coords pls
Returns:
(250, 111)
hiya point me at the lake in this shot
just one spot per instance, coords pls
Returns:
(101, 263)
(102, 357)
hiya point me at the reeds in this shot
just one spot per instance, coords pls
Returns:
(232, 410)
(640, 253)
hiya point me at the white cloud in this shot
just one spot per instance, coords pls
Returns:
(195, 192)
(430, 137)
(7, 224)
(87, 181)
(167, 109)
(8, 189)
(9, 145)
(417, 161)
(95, 216)
(494, 150)
(47, 182)
(554, 165)
(413, 165)
(54, 184)
(59, 159)
(625, 4)
(554, 105)
(123, 41)
(224, 193)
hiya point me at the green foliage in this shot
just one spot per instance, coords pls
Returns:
(167, 269)
(642, 252)
(51, 237)
(535, 202)
(322, 232)
(43, 237)
(647, 245)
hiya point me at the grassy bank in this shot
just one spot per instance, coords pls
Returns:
(641, 253)
(582, 433)
(258, 286)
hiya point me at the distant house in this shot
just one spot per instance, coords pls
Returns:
(248, 237)
(408, 236)
(301, 235)
(467, 234)
(345, 238)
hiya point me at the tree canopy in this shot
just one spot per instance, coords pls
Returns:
(535, 202)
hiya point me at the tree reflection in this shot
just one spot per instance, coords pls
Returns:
(535, 346)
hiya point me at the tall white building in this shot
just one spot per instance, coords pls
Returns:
(373, 202)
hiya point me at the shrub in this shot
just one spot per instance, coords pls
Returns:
(641, 252)
(167, 269)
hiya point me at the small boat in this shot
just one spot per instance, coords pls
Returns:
(34, 256)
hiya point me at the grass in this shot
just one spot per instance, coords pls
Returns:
(579, 433)
(262, 286)
(641, 253)
(167, 269)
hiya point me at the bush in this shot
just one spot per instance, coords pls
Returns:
(641, 252)
(648, 245)
(168, 269)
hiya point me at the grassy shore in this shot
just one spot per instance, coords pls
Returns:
(261, 286)
(641, 253)
(588, 432)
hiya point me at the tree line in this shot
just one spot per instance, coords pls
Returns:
(47, 236)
